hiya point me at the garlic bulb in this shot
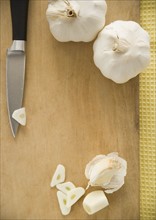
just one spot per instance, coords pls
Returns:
(71, 20)
(122, 50)
(107, 171)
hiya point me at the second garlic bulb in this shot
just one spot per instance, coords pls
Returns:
(122, 50)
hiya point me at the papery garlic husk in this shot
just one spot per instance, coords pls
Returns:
(122, 50)
(107, 171)
(71, 20)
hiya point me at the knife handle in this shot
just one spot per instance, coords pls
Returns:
(19, 14)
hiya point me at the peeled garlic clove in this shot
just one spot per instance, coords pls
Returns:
(62, 199)
(59, 175)
(65, 187)
(20, 116)
(74, 195)
(94, 202)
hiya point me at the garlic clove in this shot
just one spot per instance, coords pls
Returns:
(106, 171)
(59, 175)
(20, 116)
(74, 195)
(103, 171)
(62, 200)
(65, 187)
(91, 164)
(95, 201)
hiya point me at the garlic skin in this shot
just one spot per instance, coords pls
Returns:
(107, 171)
(71, 20)
(122, 50)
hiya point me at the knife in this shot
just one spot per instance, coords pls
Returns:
(15, 60)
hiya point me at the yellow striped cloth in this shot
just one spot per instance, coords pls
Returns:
(147, 101)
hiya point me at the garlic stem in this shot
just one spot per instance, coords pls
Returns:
(87, 187)
(67, 12)
(120, 46)
(70, 11)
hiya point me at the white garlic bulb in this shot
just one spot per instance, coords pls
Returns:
(122, 50)
(107, 171)
(71, 20)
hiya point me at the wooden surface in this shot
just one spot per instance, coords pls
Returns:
(73, 114)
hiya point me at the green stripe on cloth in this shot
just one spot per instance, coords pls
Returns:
(147, 101)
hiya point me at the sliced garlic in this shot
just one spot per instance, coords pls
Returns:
(94, 202)
(20, 116)
(62, 200)
(59, 175)
(74, 195)
(65, 187)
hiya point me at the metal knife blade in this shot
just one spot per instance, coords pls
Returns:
(15, 60)
(15, 81)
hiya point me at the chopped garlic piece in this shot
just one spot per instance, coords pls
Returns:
(94, 202)
(62, 199)
(74, 195)
(20, 116)
(59, 176)
(65, 187)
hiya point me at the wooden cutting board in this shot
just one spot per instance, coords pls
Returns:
(73, 114)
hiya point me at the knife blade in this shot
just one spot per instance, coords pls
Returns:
(15, 60)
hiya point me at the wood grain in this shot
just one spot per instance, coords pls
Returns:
(73, 114)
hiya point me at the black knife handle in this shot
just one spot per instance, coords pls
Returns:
(19, 14)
